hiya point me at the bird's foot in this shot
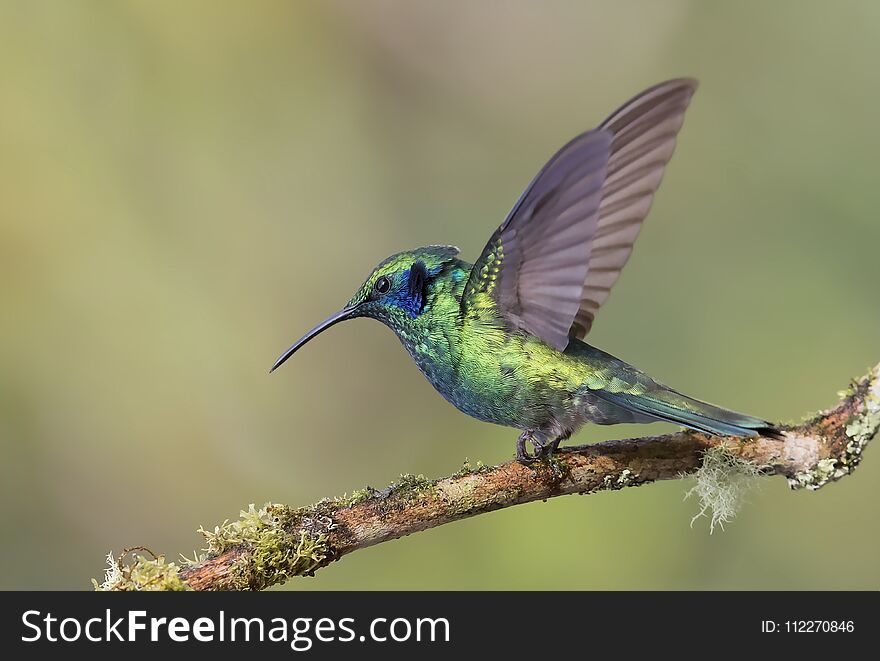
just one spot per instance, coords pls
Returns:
(542, 451)
(523, 456)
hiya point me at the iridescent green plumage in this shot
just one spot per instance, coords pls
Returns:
(502, 339)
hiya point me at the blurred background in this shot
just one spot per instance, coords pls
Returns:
(185, 188)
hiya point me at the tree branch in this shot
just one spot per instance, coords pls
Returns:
(267, 546)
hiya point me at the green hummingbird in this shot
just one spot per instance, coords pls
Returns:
(502, 339)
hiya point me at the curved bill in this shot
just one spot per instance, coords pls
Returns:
(342, 315)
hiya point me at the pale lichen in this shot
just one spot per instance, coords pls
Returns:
(624, 479)
(864, 426)
(359, 496)
(112, 575)
(140, 574)
(860, 429)
(825, 471)
(721, 481)
(459, 493)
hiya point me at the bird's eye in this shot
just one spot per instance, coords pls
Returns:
(382, 286)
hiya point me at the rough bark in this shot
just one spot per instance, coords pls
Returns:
(271, 544)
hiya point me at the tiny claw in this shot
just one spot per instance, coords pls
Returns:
(543, 451)
(525, 458)
(522, 455)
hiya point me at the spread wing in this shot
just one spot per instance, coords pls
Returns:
(554, 259)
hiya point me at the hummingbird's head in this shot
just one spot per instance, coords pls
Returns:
(395, 293)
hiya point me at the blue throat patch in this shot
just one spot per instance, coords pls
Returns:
(413, 300)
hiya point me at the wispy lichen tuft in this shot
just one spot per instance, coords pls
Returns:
(139, 574)
(721, 483)
(112, 575)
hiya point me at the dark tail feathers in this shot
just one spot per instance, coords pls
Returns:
(671, 406)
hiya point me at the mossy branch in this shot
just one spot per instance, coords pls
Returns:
(269, 545)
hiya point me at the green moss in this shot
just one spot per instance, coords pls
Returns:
(561, 468)
(467, 468)
(411, 486)
(140, 574)
(458, 493)
(359, 496)
(251, 526)
(270, 552)
(407, 489)
(276, 556)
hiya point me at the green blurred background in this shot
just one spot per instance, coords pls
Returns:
(186, 187)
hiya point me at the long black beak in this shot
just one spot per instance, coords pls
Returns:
(342, 315)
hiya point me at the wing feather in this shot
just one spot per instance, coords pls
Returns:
(553, 261)
(645, 130)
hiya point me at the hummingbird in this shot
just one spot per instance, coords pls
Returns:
(502, 339)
